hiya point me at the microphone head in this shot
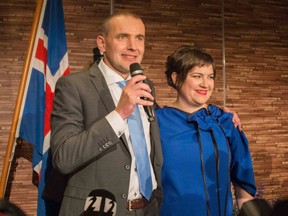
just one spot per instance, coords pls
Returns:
(135, 69)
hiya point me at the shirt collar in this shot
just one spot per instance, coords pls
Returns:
(110, 75)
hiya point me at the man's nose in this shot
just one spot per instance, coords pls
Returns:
(131, 44)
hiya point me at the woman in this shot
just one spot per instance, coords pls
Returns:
(203, 152)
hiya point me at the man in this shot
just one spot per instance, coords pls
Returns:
(90, 139)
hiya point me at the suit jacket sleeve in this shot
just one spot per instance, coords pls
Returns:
(79, 130)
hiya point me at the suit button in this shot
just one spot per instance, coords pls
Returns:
(127, 167)
(124, 196)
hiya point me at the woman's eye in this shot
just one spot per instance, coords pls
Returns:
(196, 76)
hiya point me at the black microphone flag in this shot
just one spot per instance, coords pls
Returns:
(101, 203)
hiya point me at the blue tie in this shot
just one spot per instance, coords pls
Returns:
(140, 150)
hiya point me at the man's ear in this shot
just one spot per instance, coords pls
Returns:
(101, 43)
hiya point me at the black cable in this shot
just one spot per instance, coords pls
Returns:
(203, 169)
(228, 185)
(216, 152)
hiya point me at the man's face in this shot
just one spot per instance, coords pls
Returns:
(124, 43)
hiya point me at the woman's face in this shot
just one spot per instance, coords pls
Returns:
(197, 87)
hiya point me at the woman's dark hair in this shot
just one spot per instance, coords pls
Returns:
(184, 59)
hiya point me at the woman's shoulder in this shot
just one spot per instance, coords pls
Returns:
(162, 110)
(167, 109)
(218, 112)
(170, 113)
(224, 119)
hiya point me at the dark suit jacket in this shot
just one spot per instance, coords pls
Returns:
(84, 145)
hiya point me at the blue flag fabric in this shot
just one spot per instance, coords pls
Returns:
(48, 63)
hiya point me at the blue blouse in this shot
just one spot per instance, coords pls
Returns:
(203, 153)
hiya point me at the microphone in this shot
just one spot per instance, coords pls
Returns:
(135, 69)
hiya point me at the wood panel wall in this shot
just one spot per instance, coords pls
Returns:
(256, 76)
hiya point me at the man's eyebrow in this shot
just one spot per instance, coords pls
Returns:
(127, 35)
(140, 36)
(122, 34)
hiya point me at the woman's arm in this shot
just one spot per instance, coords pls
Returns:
(242, 196)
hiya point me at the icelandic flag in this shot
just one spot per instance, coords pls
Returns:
(48, 63)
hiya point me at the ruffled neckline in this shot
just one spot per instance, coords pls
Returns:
(203, 118)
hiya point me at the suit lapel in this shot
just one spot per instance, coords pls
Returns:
(101, 87)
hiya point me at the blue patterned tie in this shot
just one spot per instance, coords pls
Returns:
(140, 150)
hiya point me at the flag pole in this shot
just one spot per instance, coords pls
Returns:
(11, 140)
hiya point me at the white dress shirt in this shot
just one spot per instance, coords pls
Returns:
(120, 126)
